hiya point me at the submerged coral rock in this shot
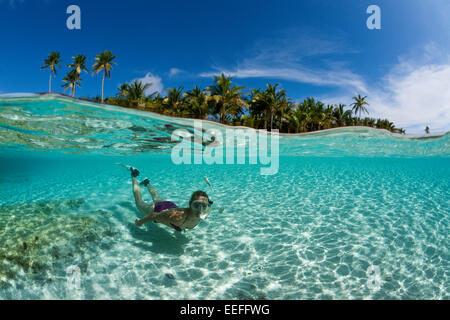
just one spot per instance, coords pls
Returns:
(44, 238)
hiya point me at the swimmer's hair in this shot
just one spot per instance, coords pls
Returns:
(196, 195)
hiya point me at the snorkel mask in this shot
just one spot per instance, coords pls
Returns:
(205, 209)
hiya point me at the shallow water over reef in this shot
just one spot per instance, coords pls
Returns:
(351, 213)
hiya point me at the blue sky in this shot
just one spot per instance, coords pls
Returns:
(319, 48)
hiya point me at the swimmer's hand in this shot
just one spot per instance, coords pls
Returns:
(138, 222)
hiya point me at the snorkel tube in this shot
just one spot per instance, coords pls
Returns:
(208, 209)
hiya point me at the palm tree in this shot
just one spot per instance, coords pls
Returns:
(79, 64)
(358, 105)
(52, 62)
(285, 107)
(268, 104)
(123, 90)
(314, 114)
(103, 61)
(340, 114)
(275, 101)
(197, 102)
(135, 91)
(318, 115)
(385, 124)
(328, 117)
(72, 80)
(225, 98)
(257, 106)
(249, 121)
(174, 102)
(156, 102)
(295, 119)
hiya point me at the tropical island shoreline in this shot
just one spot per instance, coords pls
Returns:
(152, 114)
(223, 102)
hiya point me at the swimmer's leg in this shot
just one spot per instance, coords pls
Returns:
(144, 208)
(153, 192)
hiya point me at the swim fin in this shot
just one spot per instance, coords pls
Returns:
(134, 172)
(144, 182)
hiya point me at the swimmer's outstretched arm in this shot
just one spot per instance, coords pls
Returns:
(165, 217)
(149, 218)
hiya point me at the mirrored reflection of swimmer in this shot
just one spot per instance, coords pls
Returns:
(170, 129)
(212, 143)
(166, 212)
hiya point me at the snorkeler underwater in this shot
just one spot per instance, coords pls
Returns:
(297, 150)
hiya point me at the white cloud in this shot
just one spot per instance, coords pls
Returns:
(297, 44)
(286, 58)
(155, 81)
(413, 95)
(174, 72)
(417, 98)
(337, 78)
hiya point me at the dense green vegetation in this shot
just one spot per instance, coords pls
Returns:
(268, 108)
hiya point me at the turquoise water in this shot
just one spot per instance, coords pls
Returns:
(352, 213)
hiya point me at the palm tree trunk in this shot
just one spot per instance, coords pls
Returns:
(222, 114)
(73, 91)
(103, 82)
(271, 121)
(50, 83)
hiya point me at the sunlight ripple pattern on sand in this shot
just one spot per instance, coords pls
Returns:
(342, 204)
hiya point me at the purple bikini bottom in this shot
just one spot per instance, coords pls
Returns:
(164, 205)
